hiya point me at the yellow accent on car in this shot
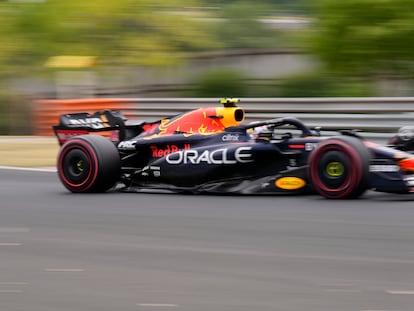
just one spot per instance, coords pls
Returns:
(230, 116)
(229, 101)
(290, 183)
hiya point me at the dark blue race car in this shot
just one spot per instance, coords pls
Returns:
(212, 150)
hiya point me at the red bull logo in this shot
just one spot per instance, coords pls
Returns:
(158, 152)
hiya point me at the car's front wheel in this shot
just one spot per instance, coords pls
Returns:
(339, 168)
(88, 163)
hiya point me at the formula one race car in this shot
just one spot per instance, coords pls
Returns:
(211, 150)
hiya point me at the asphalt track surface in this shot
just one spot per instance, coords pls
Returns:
(61, 251)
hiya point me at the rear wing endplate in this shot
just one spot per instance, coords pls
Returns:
(74, 124)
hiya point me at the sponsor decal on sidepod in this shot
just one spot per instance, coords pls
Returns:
(219, 156)
(158, 152)
(290, 183)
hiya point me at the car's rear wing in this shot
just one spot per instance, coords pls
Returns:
(109, 123)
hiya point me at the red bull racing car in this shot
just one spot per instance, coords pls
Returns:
(212, 150)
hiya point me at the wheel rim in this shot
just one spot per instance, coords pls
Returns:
(76, 167)
(335, 169)
(79, 166)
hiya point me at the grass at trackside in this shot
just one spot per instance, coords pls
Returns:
(28, 151)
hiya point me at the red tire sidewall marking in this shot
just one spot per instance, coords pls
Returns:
(354, 174)
(93, 160)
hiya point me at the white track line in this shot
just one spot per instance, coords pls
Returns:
(29, 169)
(20, 139)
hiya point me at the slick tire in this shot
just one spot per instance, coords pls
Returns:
(339, 168)
(88, 163)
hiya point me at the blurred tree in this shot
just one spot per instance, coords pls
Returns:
(144, 32)
(220, 83)
(240, 26)
(133, 32)
(319, 84)
(365, 37)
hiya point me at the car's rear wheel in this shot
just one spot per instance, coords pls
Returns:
(339, 168)
(88, 163)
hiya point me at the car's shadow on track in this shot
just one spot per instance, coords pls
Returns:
(390, 197)
(368, 196)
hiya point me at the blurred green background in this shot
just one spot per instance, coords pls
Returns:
(200, 48)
